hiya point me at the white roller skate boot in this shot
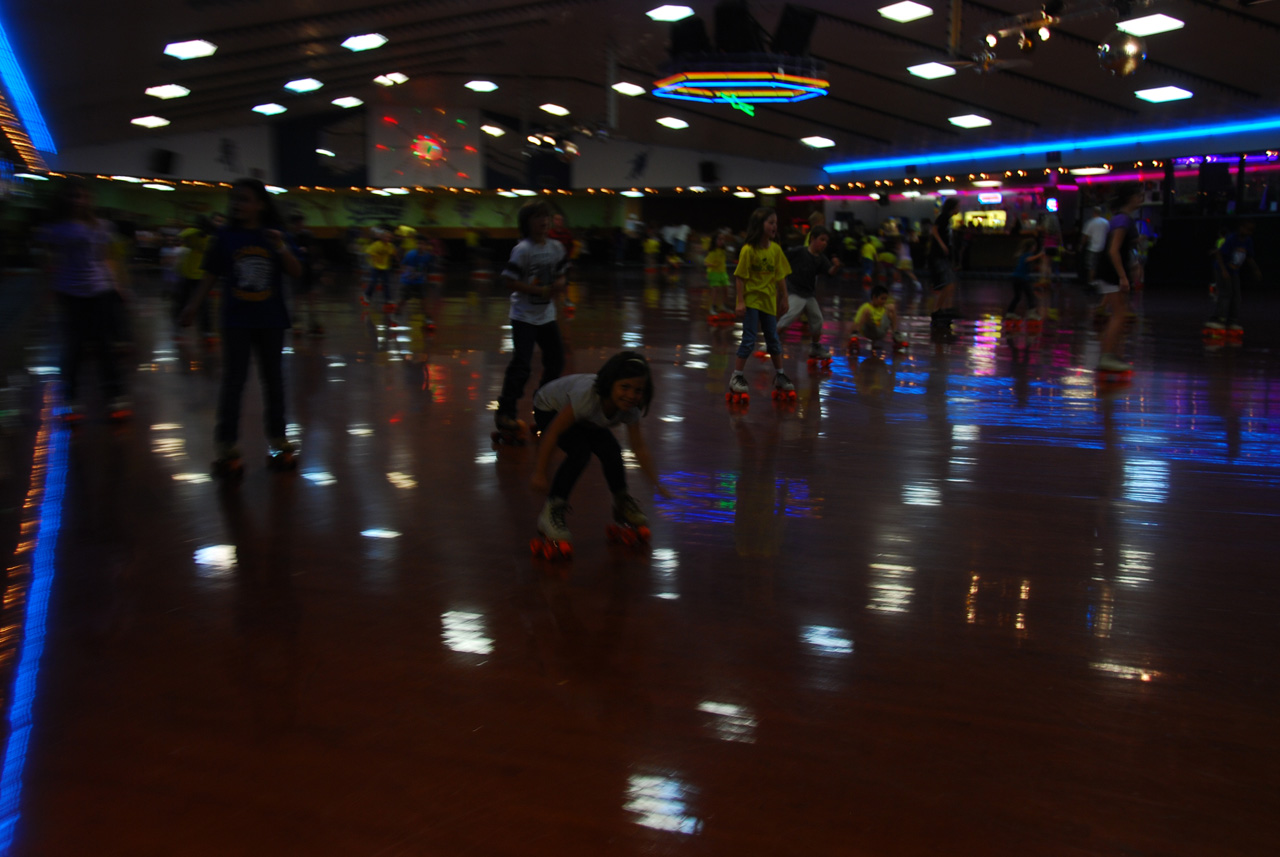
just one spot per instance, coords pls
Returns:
(554, 537)
(631, 527)
(783, 389)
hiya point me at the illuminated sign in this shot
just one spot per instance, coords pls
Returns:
(740, 87)
(990, 198)
(1051, 204)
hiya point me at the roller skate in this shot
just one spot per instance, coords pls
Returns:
(72, 415)
(1214, 329)
(1012, 322)
(783, 389)
(819, 358)
(428, 325)
(738, 390)
(119, 410)
(900, 342)
(630, 527)
(553, 540)
(1112, 371)
(569, 308)
(1034, 324)
(228, 465)
(364, 300)
(1235, 334)
(282, 455)
(509, 431)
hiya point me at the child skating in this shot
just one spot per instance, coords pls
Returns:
(535, 272)
(807, 262)
(716, 262)
(877, 321)
(577, 413)
(761, 291)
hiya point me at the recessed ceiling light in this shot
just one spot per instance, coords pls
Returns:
(493, 130)
(673, 122)
(366, 42)
(391, 79)
(158, 186)
(770, 190)
(396, 191)
(276, 189)
(554, 109)
(697, 189)
(190, 50)
(670, 13)
(150, 121)
(744, 194)
(1090, 171)
(631, 193)
(970, 120)
(269, 109)
(931, 70)
(347, 101)
(481, 85)
(629, 89)
(1162, 93)
(905, 11)
(911, 194)
(987, 183)
(818, 142)
(874, 195)
(523, 192)
(1149, 25)
(326, 153)
(508, 193)
(129, 179)
(167, 91)
(379, 193)
(304, 84)
(31, 176)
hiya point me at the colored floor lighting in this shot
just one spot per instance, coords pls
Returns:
(1039, 148)
(740, 87)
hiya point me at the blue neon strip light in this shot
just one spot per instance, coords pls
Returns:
(1270, 124)
(16, 83)
(24, 683)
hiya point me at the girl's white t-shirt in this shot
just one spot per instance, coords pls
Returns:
(579, 391)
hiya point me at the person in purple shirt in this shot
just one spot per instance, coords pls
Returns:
(87, 281)
(1236, 252)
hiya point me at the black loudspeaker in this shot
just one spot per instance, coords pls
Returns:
(163, 162)
(1053, 157)
(1215, 178)
(794, 30)
(689, 37)
(708, 172)
(736, 31)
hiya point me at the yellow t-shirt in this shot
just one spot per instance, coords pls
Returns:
(871, 248)
(380, 253)
(760, 271)
(715, 261)
(870, 311)
(651, 246)
(192, 264)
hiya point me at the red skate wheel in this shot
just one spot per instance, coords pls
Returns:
(611, 532)
(644, 533)
(628, 537)
(565, 549)
(728, 397)
(535, 546)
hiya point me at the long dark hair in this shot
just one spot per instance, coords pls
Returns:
(270, 217)
(62, 207)
(948, 209)
(625, 364)
(755, 226)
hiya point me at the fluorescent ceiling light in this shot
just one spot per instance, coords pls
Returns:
(931, 70)
(698, 189)
(507, 193)
(874, 195)
(818, 142)
(970, 120)
(554, 109)
(522, 192)
(1162, 93)
(158, 186)
(347, 101)
(150, 121)
(379, 193)
(492, 130)
(168, 90)
(31, 176)
(744, 194)
(129, 179)
(1090, 171)
(905, 11)
(303, 84)
(366, 42)
(670, 13)
(673, 122)
(987, 183)
(911, 194)
(326, 153)
(396, 191)
(629, 89)
(391, 79)
(269, 109)
(190, 50)
(481, 85)
(1149, 25)
(770, 190)
(276, 189)
(631, 193)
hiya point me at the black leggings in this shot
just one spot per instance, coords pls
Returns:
(523, 337)
(1021, 289)
(579, 443)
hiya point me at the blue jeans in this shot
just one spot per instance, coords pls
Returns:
(753, 321)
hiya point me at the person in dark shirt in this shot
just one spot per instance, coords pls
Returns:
(802, 286)
(1235, 252)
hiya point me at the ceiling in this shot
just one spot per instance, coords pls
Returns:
(89, 73)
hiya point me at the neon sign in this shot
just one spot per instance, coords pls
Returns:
(740, 88)
(990, 198)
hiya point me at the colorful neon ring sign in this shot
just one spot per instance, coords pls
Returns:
(740, 87)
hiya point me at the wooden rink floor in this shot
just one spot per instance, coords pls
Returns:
(958, 601)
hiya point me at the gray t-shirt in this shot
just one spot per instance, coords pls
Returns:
(546, 261)
(580, 392)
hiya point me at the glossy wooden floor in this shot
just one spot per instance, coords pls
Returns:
(955, 603)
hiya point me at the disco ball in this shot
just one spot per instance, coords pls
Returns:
(1122, 54)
